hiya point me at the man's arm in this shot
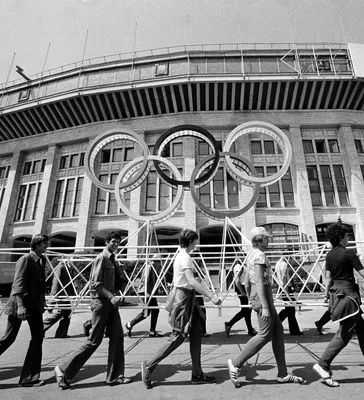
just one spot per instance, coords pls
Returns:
(328, 280)
(97, 281)
(200, 287)
(262, 289)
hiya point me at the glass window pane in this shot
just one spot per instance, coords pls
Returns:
(177, 150)
(333, 146)
(256, 147)
(320, 146)
(307, 146)
(268, 147)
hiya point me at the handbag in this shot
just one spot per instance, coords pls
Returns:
(170, 300)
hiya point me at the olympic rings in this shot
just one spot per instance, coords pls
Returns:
(131, 168)
(135, 172)
(268, 129)
(102, 140)
(219, 215)
(180, 131)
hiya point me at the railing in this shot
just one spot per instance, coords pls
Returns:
(177, 49)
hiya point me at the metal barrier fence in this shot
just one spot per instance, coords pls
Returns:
(305, 262)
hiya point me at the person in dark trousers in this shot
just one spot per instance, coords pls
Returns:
(185, 314)
(26, 303)
(284, 274)
(345, 301)
(245, 312)
(105, 281)
(62, 288)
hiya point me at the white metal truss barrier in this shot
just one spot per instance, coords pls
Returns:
(305, 262)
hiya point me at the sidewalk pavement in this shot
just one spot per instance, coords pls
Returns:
(171, 379)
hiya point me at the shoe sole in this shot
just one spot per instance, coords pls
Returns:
(148, 385)
(235, 382)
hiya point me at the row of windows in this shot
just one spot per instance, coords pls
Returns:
(67, 199)
(34, 167)
(4, 172)
(72, 161)
(320, 146)
(327, 185)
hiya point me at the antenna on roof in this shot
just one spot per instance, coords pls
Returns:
(43, 68)
(342, 28)
(83, 57)
(7, 79)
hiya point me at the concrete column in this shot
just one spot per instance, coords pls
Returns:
(248, 219)
(9, 200)
(46, 196)
(300, 184)
(189, 166)
(353, 176)
(83, 229)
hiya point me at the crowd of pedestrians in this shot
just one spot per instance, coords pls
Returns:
(253, 284)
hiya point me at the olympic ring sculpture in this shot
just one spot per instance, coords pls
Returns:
(188, 130)
(135, 172)
(270, 130)
(218, 215)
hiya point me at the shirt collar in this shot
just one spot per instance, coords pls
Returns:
(108, 253)
(34, 255)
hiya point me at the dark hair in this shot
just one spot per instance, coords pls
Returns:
(38, 239)
(112, 235)
(335, 233)
(187, 236)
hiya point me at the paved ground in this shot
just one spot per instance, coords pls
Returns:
(171, 378)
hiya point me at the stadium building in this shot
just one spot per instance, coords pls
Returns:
(313, 92)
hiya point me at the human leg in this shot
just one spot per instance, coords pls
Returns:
(256, 343)
(237, 317)
(100, 313)
(154, 313)
(338, 342)
(11, 332)
(195, 343)
(116, 358)
(64, 324)
(293, 326)
(33, 359)
(52, 319)
(278, 344)
(325, 318)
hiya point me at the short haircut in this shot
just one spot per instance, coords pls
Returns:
(187, 236)
(257, 239)
(112, 235)
(335, 233)
(38, 239)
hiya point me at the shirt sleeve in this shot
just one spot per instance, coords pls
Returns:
(355, 261)
(187, 263)
(20, 278)
(97, 273)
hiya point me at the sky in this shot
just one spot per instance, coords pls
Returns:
(46, 34)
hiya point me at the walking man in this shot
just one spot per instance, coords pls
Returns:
(26, 303)
(105, 280)
(185, 316)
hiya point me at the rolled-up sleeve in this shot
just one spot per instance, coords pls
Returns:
(20, 278)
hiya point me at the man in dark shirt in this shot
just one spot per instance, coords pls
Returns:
(26, 302)
(345, 299)
(105, 282)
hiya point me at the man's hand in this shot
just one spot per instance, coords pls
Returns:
(216, 300)
(116, 301)
(22, 313)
